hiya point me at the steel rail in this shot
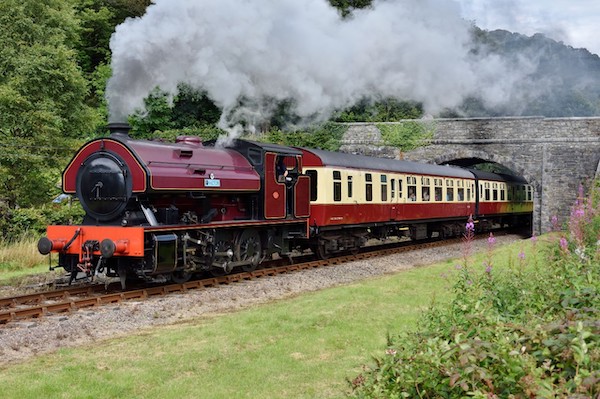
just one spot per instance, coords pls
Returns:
(67, 303)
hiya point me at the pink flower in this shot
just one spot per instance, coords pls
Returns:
(534, 239)
(488, 268)
(522, 255)
(564, 244)
(554, 222)
(470, 226)
(491, 239)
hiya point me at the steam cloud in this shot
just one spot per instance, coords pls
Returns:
(263, 51)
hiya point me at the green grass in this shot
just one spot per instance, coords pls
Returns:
(10, 276)
(303, 347)
(21, 258)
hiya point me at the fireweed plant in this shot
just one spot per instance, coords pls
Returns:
(525, 327)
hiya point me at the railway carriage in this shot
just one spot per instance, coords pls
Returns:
(354, 197)
(174, 209)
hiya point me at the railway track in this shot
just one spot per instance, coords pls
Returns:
(39, 305)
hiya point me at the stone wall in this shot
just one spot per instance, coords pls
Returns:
(556, 155)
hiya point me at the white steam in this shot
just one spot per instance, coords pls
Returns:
(263, 51)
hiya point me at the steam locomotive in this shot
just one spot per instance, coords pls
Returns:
(156, 209)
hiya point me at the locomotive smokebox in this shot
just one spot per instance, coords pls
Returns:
(119, 128)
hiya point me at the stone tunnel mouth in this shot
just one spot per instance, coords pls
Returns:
(484, 165)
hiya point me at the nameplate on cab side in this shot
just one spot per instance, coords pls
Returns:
(212, 183)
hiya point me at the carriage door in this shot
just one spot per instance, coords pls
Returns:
(275, 189)
(301, 192)
(393, 197)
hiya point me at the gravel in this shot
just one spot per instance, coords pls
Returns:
(20, 341)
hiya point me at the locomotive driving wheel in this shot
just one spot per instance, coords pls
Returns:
(248, 248)
(180, 276)
(221, 247)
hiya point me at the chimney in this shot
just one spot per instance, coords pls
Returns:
(119, 128)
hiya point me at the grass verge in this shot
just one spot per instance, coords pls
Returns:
(303, 347)
(20, 260)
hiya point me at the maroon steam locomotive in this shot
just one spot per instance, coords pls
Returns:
(175, 209)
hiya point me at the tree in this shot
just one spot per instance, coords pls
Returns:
(384, 110)
(346, 6)
(190, 110)
(42, 97)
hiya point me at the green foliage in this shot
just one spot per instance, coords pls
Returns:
(385, 110)
(97, 21)
(190, 110)
(523, 331)
(407, 135)
(42, 97)
(346, 6)
(17, 223)
(325, 137)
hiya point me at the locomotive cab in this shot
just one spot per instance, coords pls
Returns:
(285, 193)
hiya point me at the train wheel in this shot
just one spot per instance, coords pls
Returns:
(248, 248)
(221, 247)
(321, 251)
(180, 277)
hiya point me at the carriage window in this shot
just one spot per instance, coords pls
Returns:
(425, 192)
(399, 188)
(383, 187)
(529, 193)
(337, 185)
(438, 189)
(369, 187)
(509, 191)
(518, 194)
(468, 194)
(313, 184)
(393, 183)
(487, 192)
(461, 194)
(449, 190)
(349, 186)
(411, 181)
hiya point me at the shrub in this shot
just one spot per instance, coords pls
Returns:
(407, 135)
(521, 331)
(18, 223)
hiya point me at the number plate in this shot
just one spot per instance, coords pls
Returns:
(212, 183)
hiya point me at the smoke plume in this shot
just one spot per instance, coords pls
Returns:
(249, 54)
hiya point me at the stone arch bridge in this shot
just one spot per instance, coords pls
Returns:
(555, 155)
